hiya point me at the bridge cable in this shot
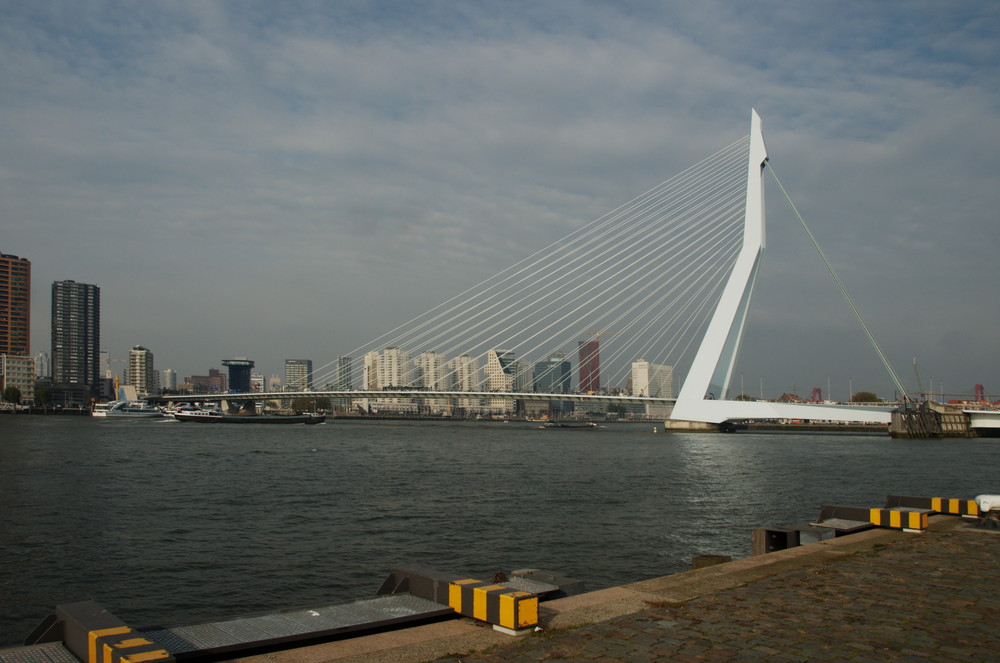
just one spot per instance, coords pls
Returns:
(655, 245)
(843, 290)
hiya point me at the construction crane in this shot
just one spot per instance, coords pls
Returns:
(107, 372)
(920, 385)
(597, 333)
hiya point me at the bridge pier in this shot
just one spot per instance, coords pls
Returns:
(682, 426)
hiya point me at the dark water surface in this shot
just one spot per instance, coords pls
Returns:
(165, 522)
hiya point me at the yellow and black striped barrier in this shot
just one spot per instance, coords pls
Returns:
(898, 519)
(495, 604)
(942, 505)
(94, 635)
(898, 516)
(124, 645)
(954, 507)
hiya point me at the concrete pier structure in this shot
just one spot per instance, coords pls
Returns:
(874, 596)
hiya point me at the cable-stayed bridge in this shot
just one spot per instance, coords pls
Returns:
(667, 279)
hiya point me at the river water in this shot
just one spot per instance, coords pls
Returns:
(165, 522)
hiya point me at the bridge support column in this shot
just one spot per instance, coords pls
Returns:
(680, 425)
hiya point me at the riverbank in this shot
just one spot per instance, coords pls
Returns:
(47, 410)
(874, 596)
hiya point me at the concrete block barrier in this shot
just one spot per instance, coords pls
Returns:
(496, 604)
(907, 520)
(94, 635)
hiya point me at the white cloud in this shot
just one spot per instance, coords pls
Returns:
(258, 157)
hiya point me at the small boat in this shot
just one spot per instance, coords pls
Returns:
(126, 410)
(219, 417)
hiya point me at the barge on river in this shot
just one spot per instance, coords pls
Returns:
(219, 417)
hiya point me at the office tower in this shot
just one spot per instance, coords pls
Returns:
(214, 382)
(345, 380)
(76, 334)
(169, 379)
(239, 374)
(652, 380)
(18, 371)
(15, 305)
(590, 366)
(298, 374)
(257, 382)
(43, 367)
(554, 375)
(141, 373)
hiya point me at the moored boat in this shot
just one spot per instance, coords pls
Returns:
(126, 410)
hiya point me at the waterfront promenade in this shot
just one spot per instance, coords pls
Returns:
(880, 595)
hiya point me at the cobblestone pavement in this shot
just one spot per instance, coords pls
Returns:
(933, 596)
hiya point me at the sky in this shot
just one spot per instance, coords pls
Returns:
(290, 180)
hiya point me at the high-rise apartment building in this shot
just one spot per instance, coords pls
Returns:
(501, 366)
(389, 368)
(463, 375)
(430, 373)
(501, 372)
(298, 374)
(141, 373)
(463, 372)
(76, 333)
(589, 358)
(15, 305)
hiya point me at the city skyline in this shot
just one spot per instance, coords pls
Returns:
(266, 183)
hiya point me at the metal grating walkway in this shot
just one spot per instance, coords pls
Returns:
(261, 631)
(283, 627)
(52, 652)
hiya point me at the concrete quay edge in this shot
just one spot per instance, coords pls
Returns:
(456, 637)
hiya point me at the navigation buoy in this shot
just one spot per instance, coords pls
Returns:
(654, 429)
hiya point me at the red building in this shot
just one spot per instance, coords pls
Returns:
(590, 366)
(15, 304)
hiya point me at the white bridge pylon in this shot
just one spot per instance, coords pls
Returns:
(702, 400)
